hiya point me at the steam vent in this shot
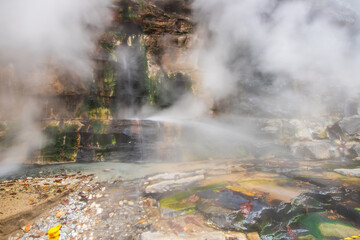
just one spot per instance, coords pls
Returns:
(179, 119)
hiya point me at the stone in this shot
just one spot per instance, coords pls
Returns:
(301, 130)
(350, 125)
(221, 217)
(254, 236)
(354, 151)
(171, 213)
(99, 211)
(319, 150)
(235, 236)
(172, 185)
(349, 172)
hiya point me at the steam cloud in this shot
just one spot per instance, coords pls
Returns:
(35, 36)
(276, 57)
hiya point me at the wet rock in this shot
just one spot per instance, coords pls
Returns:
(349, 172)
(235, 236)
(171, 213)
(172, 185)
(254, 236)
(220, 216)
(351, 125)
(319, 127)
(319, 150)
(354, 151)
(85, 154)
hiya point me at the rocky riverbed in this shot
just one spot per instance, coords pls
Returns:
(227, 199)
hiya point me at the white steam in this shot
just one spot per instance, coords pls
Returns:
(279, 56)
(38, 37)
(34, 32)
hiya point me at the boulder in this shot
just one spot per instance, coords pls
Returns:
(173, 185)
(352, 150)
(356, 149)
(222, 217)
(319, 150)
(295, 128)
(301, 131)
(85, 155)
(350, 125)
(349, 172)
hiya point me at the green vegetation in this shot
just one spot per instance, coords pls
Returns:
(101, 139)
(95, 108)
(109, 80)
(179, 201)
(163, 91)
(108, 46)
(60, 144)
(99, 126)
(130, 12)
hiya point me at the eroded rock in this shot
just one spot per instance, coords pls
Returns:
(220, 216)
(319, 150)
(351, 125)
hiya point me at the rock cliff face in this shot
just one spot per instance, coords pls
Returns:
(138, 61)
(142, 60)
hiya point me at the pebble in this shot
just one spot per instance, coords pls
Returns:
(99, 211)
(86, 220)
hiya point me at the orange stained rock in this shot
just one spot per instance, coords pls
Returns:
(27, 228)
(59, 213)
(253, 236)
